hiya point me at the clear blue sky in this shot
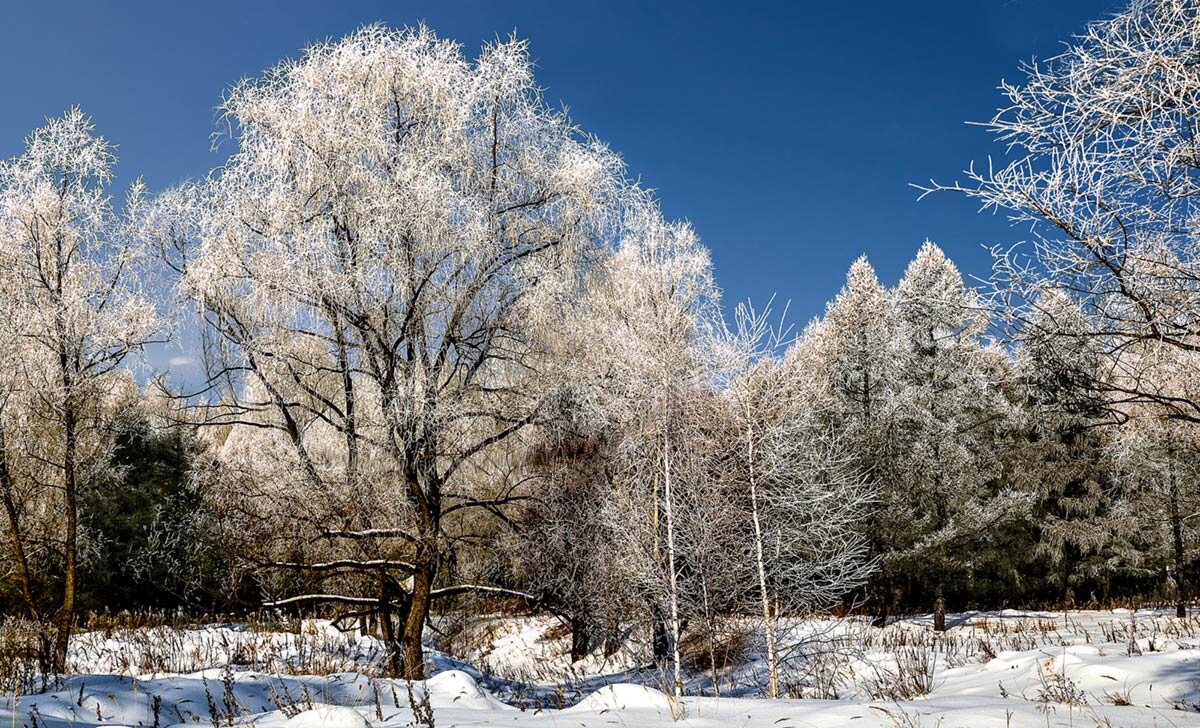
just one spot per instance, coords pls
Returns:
(787, 132)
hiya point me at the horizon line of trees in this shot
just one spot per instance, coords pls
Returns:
(453, 354)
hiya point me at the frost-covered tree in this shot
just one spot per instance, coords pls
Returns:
(565, 553)
(849, 360)
(71, 312)
(1158, 464)
(653, 327)
(802, 498)
(1106, 296)
(950, 414)
(1102, 169)
(907, 381)
(151, 541)
(1063, 462)
(852, 353)
(381, 262)
(647, 533)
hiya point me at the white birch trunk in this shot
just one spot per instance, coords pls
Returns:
(764, 593)
(672, 577)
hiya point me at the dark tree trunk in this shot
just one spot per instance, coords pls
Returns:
(413, 627)
(581, 638)
(883, 598)
(387, 627)
(612, 640)
(880, 619)
(1177, 544)
(939, 611)
(7, 492)
(662, 639)
(66, 613)
(24, 574)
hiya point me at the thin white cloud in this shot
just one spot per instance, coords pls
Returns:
(181, 361)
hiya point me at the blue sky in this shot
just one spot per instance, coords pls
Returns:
(787, 132)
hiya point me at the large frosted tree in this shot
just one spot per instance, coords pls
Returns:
(849, 359)
(802, 500)
(856, 342)
(381, 262)
(652, 327)
(1157, 462)
(1100, 168)
(644, 462)
(1063, 462)
(906, 379)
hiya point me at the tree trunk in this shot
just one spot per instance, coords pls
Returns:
(581, 638)
(883, 604)
(24, 573)
(418, 613)
(612, 640)
(661, 643)
(760, 563)
(387, 628)
(1177, 542)
(939, 611)
(712, 658)
(7, 491)
(710, 624)
(673, 578)
(66, 613)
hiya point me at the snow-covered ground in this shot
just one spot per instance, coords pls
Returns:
(1005, 669)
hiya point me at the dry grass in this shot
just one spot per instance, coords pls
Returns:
(20, 672)
(729, 649)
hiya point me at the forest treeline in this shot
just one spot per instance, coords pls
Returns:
(449, 353)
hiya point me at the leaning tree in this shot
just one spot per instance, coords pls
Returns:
(379, 264)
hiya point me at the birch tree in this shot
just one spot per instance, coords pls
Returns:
(648, 527)
(652, 317)
(805, 500)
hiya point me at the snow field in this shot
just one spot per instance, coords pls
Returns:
(1006, 669)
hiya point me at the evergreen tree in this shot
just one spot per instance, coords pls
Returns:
(153, 542)
(849, 361)
(944, 483)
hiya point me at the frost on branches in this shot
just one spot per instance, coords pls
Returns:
(384, 262)
(920, 401)
(1101, 167)
(72, 309)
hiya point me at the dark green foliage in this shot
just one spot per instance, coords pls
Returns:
(152, 545)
